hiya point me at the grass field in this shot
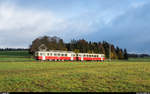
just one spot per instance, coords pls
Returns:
(14, 53)
(20, 72)
(75, 76)
(15, 56)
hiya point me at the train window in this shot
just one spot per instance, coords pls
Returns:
(58, 54)
(41, 54)
(62, 54)
(50, 54)
(65, 54)
(47, 54)
(54, 54)
(73, 55)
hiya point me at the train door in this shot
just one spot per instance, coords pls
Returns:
(43, 56)
(71, 58)
(77, 57)
(81, 57)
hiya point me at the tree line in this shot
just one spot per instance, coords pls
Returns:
(78, 46)
(138, 55)
(14, 49)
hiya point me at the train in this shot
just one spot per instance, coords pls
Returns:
(55, 55)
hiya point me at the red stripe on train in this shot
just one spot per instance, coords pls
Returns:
(67, 58)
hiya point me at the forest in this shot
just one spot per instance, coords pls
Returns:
(78, 46)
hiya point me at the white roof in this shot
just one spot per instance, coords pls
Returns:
(57, 51)
(69, 52)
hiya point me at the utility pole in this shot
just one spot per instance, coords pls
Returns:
(110, 52)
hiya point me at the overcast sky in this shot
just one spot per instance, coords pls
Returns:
(124, 23)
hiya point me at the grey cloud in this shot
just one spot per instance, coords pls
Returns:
(130, 30)
(124, 22)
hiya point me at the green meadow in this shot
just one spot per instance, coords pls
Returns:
(24, 74)
(74, 76)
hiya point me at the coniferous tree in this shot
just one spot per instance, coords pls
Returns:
(125, 54)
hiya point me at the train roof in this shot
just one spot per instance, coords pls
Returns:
(68, 52)
(90, 53)
(57, 51)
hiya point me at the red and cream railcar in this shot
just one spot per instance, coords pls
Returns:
(67, 56)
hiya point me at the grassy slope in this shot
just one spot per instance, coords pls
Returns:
(15, 56)
(75, 76)
(14, 53)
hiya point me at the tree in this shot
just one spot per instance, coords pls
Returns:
(120, 54)
(101, 48)
(125, 54)
(51, 43)
(106, 47)
(113, 52)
